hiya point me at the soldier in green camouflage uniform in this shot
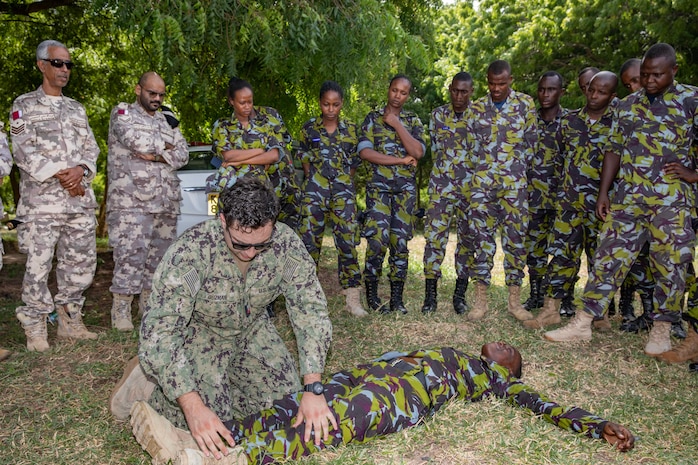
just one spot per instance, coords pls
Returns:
(448, 185)
(5, 168)
(652, 127)
(502, 138)
(56, 154)
(328, 153)
(143, 194)
(207, 338)
(397, 391)
(584, 135)
(392, 141)
(254, 141)
(543, 175)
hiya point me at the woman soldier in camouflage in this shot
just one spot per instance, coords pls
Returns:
(328, 153)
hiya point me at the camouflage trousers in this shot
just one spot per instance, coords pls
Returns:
(504, 210)
(691, 314)
(640, 274)
(624, 233)
(575, 232)
(72, 236)
(538, 241)
(388, 225)
(139, 241)
(368, 402)
(339, 209)
(289, 197)
(442, 210)
(244, 376)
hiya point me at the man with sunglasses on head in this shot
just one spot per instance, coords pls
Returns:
(56, 153)
(207, 339)
(143, 194)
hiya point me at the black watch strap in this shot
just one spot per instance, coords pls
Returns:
(316, 388)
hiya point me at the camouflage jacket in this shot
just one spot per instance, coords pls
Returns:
(5, 162)
(376, 135)
(449, 174)
(647, 136)
(545, 171)
(141, 185)
(501, 143)
(582, 147)
(50, 134)
(201, 303)
(266, 130)
(330, 157)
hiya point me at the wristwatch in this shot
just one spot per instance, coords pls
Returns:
(85, 171)
(316, 388)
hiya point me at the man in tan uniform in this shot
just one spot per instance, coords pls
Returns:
(143, 193)
(56, 153)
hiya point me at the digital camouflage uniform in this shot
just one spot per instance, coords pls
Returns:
(448, 193)
(330, 194)
(648, 205)
(5, 168)
(576, 230)
(207, 329)
(383, 397)
(266, 130)
(50, 134)
(143, 196)
(391, 195)
(544, 175)
(501, 144)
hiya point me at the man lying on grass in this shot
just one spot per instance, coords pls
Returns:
(385, 396)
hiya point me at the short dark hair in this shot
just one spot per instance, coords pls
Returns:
(400, 76)
(462, 77)
(629, 64)
(661, 50)
(593, 69)
(250, 203)
(236, 84)
(498, 67)
(331, 86)
(554, 74)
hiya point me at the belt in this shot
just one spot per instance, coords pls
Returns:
(410, 364)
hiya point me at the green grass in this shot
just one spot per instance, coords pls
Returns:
(54, 405)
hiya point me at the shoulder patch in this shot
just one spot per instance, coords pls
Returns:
(17, 127)
(290, 268)
(191, 278)
(17, 114)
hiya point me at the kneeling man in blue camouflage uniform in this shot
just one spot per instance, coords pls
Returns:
(207, 344)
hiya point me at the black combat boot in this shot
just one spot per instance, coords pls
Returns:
(611, 307)
(567, 306)
(677, 330)
(644, 321)
(535, 299)
(372, 299)
(459, 304)
(396, 305)
(429, 296)
(625, 306)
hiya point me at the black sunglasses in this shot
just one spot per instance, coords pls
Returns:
(258, 247)
(58, 63)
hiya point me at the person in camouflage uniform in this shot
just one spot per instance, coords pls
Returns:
(391, 140)
(207, 339)
(327, 149)
(142, 194)
(253, 141)
(56, 153)
(5, 168)
(502, 136)
(584, 135)
(652, 127)
(544, 175)
(394, 392)
(447, 192)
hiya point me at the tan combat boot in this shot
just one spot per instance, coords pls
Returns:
(4, 354)
(121, 312)
(687, 351)
(35, 330)
(353, 301)
(236, 456)
(515, 307)
(578, 329)
(70, 323)
(143, 302)
(603, 324)
(480, 307)
(660, 339)
(133, 386)
(156, 435)
(549, 315)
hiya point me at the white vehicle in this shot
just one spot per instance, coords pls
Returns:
(196, 206)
